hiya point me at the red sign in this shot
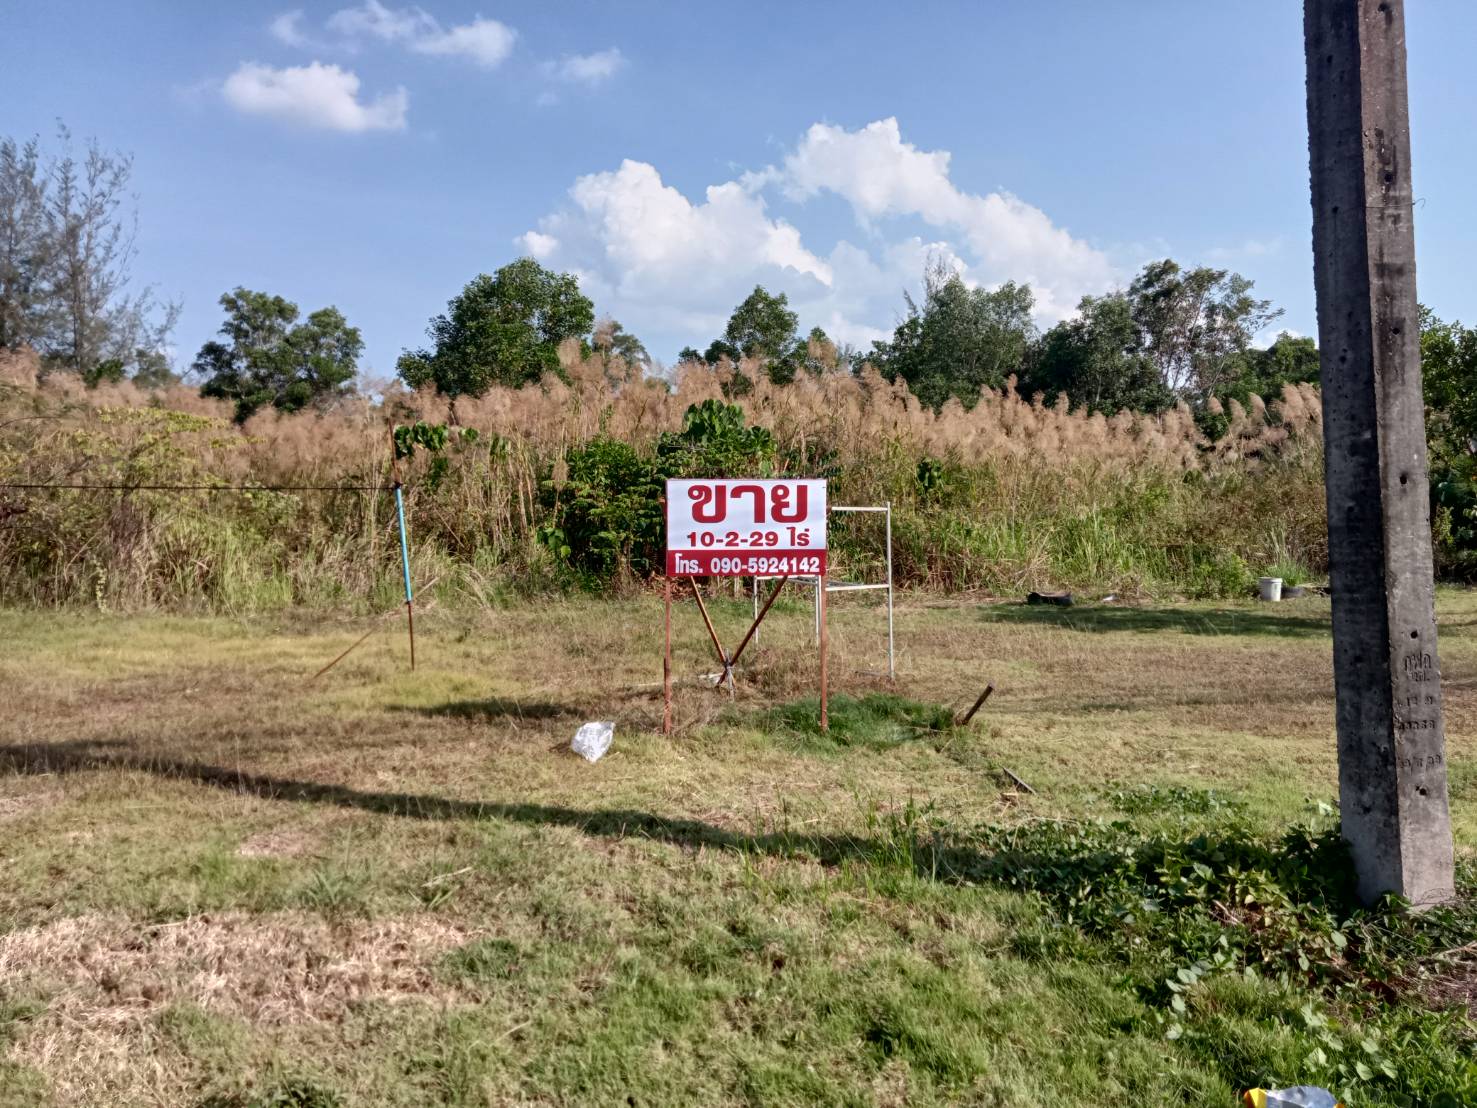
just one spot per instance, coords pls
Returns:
(742, 528)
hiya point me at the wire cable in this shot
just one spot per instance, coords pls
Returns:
(196, 488)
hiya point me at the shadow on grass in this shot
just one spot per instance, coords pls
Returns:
(945, 862)
(494, 708)
(1190, 621)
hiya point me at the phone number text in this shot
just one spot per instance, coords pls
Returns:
(709, 563)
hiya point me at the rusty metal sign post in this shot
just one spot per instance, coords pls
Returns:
(742, 528)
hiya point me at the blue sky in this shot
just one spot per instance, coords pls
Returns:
(377, 156)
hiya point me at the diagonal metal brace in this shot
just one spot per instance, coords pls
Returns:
(764, 611)
(713, 634)
(726, 660)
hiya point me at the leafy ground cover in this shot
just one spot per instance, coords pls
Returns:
(226, 883)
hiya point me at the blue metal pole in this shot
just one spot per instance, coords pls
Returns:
(405, 569)
(404, 544)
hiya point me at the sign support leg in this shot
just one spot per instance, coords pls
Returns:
(825, 642)
(820, 587)
(667, 657)
(891, 648)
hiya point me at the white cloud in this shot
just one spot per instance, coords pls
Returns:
(485, 41)
(374, 20)
(288, 28)
(313, 95)
(882, 176)
(637, 241)
(588, 69)
(666, 263)
(1271, 333)
(537, 244)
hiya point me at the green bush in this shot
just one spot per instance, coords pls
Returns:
(1454, 514)
(1239, 939)
(1215, 574)
(606, 499)
(607, 512)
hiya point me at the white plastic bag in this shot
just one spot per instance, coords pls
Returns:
(592, 740)
(1303, 1096)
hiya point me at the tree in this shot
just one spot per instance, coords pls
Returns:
(1291, 360)
(764, 328)
(66, 251)
(1171, 333)
(960, 340)
(153, 371)
(820, 354)
(26, 247)
(614, 340)
(271, 359)
(1196, 325)
(1449, 376)
(96, 319)
(1449, 373)
(1098, 360)
(502, 330)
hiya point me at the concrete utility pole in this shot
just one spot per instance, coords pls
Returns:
(1392, 743)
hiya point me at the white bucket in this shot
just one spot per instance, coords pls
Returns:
(1270, 588)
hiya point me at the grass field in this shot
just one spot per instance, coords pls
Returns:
(225, 884)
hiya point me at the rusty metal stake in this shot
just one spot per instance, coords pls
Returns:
(1018, 781)
(978, 704)
(344, 655)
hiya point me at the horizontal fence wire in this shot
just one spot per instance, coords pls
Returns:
(197, 488)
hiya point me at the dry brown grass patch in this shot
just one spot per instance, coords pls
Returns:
(107, 978)
(1457, 989)
(16, 805)
(280, 842)
(272, 969)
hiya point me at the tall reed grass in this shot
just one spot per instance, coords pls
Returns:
(1007, 495)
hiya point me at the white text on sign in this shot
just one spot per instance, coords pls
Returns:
(746, 528)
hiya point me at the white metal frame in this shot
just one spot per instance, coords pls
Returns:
(855, 586)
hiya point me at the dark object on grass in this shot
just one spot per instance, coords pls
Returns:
(1017, 780)
(978, 704)
(1060, 599)
(1294, 592)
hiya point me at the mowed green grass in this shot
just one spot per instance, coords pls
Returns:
(226, 883)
